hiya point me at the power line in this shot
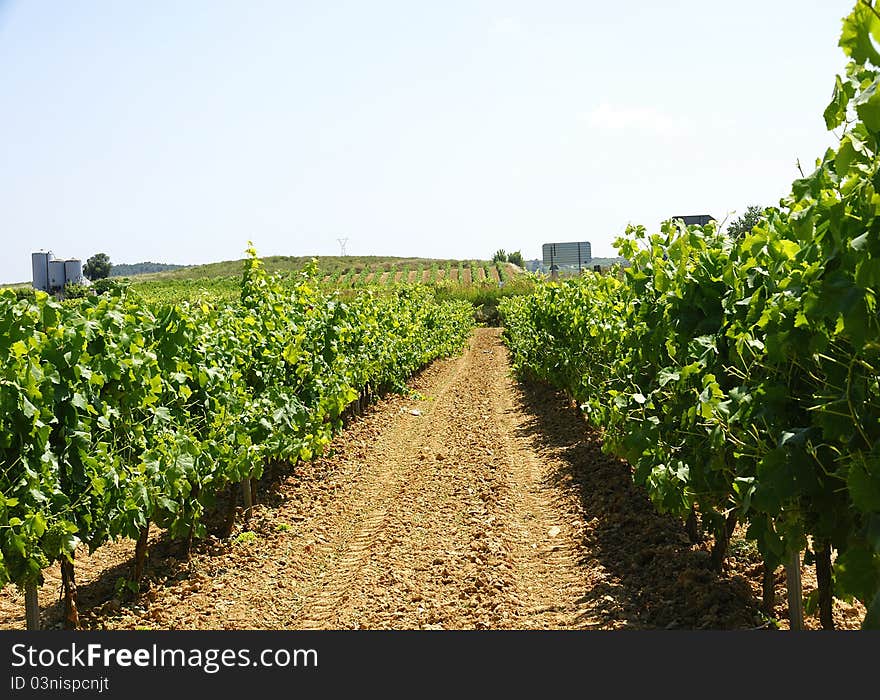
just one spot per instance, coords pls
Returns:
(342, 242)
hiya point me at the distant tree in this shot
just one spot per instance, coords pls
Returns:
(500, 256)
(739, 228)
(97, 267)
(517, 259)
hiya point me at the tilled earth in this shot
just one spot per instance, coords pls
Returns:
(472, 503)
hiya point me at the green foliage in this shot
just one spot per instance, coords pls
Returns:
(485, 295)
(289, 266)
(106, 285)
(502, 256)
(475, 272)
(125, 587)
(117, 411)
(741, 226)
(195, 285)
(73, 290)
(97, 267)
(141, 268)
(741, 374)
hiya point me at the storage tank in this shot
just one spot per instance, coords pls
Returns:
(40, 267)
(73, 271)
(56, 274)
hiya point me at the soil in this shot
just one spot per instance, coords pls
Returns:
(472, 502)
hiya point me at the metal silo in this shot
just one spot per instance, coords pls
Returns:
(56, 274)
(40, 267)
(73, 271)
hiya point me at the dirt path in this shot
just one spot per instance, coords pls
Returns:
(475, 502)
(447, 538)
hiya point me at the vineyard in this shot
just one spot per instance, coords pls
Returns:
(467, 279)
(741, 377)
(118, 414)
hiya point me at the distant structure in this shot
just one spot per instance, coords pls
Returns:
(51, 274)
(342, 242)
(559, 257)
(696, 219)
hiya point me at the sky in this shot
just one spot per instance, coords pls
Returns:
(178, 131)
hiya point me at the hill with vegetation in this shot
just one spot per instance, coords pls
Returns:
(480, 282)
(131, 269)
(331, 266)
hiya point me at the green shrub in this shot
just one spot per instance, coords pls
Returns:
(74, 290)
(112, 286)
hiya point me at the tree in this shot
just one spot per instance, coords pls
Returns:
(517, 259)
(739, 228)
(500, 256)
(97, 267)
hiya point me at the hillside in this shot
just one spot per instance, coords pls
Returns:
(329, 265)
(480, 282)
(129, 269)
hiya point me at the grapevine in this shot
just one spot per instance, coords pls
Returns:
(740, 377)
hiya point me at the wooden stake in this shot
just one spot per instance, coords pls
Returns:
(140, 553)
(692, 527)
(32, 606)
(247, 497)
(795, 597)
(768, 598)
(230, 512)
(68, 586)
(824, 579)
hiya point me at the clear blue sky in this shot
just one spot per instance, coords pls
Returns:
(177, 131)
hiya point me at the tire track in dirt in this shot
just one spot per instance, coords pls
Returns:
(381, 488)
(467, 535)
(547, 533)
